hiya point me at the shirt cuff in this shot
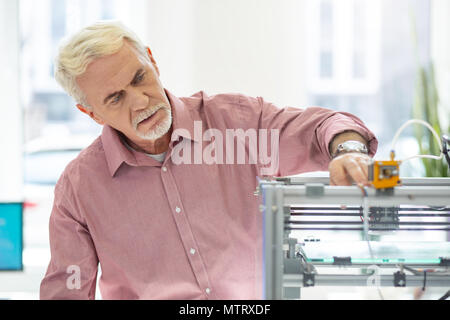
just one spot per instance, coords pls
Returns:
(342, 122)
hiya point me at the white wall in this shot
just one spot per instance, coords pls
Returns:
(169, 34)
(440, 47)
(252, 47)
(10, 109)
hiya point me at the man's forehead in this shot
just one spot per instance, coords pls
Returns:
(107, 74)
(111, 64)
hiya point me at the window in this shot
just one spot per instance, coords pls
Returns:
(344, 46)
(361, 59)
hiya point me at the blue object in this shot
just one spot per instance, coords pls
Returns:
(11, 236)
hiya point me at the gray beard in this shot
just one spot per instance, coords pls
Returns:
(161, 129)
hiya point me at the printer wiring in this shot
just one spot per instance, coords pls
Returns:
(422, 156)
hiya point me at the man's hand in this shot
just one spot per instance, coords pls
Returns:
(349, 168)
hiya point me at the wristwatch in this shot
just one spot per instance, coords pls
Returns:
(350, 146)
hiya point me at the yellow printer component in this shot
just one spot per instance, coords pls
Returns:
(385, 174)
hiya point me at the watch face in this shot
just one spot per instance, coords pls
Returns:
(352, 146)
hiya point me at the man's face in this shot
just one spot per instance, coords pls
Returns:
(125, 93)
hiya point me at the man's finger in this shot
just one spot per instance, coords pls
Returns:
(355, 171)
(364, 163)
(338, 175)
(332, 183)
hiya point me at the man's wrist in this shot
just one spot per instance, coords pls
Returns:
(360, 144)
(349, 147)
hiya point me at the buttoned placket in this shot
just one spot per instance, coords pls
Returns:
(184, 229)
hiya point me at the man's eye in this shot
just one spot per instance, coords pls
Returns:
(117, 98)
(139, 78)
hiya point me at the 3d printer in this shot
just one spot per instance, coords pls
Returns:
(294, 207)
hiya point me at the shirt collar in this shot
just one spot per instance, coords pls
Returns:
(117, 153)
(183, 119)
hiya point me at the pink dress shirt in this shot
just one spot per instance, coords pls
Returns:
(177, 231)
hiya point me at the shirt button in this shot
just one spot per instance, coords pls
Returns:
(164, 169)
(178, 210)
(192, 251)
(208, 290)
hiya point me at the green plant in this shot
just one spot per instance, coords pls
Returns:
(426, 107)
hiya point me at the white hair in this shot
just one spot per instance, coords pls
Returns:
(95, 41)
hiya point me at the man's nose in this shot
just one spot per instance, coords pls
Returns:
(138, 99)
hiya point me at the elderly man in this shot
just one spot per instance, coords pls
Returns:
(162, 228)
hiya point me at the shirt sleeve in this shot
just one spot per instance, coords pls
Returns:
(72, 271)
(304, 134)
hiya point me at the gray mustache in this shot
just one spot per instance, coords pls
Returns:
(147, 114)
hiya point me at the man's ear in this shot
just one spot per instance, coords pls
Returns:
(90, 114)
(152, 60)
